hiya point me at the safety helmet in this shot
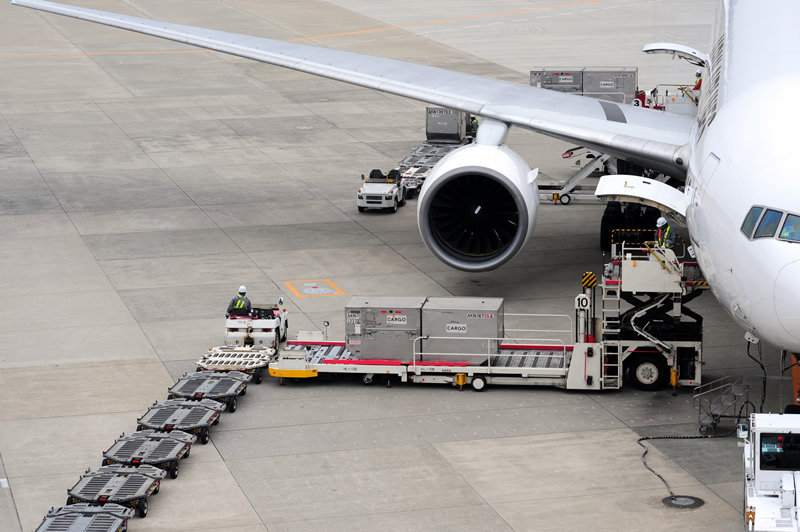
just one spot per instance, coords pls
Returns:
(699, 71)
(243, 290)
(661, 222)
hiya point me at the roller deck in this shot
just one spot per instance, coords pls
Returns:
(85, 517)
(194, 417)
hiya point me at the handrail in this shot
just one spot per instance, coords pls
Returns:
(488, 354)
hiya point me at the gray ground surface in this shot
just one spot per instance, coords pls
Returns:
(142, 181)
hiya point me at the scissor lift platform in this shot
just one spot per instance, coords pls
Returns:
(118, 484)
(84, 517)
(251, 360)
(218, 386)
(148, 447)
(194, 417)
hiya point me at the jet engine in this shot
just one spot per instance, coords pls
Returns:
(478, 207)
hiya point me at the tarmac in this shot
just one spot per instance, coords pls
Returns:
(143, 181)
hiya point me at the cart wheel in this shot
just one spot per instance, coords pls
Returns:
(170, 396)
(478, 383)
(69, 501)
(142, 508)
(564, 199)
(232, 404)
(216, 421)
(106, 462)
(204, 436)
(244, 391)
(285, 330)
(158, 488)
(649, 373)
(139, 427)
(173, 469)
(703, 429)
(257, 378)
(368, 379)
(277, 344)
(186, 454)
(198, 370)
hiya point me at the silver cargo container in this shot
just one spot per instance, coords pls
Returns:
(383, 327)
(614, 84)
(468, 325)
(445, 124)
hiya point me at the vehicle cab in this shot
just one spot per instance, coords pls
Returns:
(264, 326)
(381, 191)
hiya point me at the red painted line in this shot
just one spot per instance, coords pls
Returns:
(302, 342)
(364, 362)
(553, 347)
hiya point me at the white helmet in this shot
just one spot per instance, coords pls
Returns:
(661, 222)
(243, 290)
(699, 71)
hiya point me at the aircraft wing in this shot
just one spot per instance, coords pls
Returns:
(643, 136)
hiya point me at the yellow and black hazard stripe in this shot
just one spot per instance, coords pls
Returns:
(589, 279)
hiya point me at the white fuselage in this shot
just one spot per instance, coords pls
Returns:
(744, 158)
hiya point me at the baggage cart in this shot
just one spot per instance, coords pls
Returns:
(194, 417)
(118, 484)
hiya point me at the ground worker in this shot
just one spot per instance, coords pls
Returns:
(665, 236)
(473, 126)
(697, 86)
(239, 305)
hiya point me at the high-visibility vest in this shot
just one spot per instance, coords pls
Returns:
(662, 237)
(240, 300)
(474, 125)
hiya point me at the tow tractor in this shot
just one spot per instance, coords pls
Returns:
(264, 326)
(771, 472)
(381, 191)
(644, 328)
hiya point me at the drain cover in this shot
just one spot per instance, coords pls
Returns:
(682, 501)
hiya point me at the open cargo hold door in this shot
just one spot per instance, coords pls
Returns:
(636, 189)
(678, 50)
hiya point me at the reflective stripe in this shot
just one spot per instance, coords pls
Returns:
(239, 303)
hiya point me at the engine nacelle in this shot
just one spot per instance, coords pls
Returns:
(478, 207)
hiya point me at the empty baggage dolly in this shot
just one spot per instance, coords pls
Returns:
(213, 385)
(194, 417)
(84, 517)
(118, 484)
(252, 360)
(148, 447)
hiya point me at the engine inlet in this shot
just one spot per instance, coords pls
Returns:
(474, 215)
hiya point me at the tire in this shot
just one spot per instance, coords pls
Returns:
(478, 383)
(173, 470)
(257, 377)
(277, 339)
(649, 373)
(157, 489)
(285, 331)
(204, 437)
(232, 404)
(198, 369)
(368, 379)
(792, 409)
(565, 199)
(139, 427)
(186, 454)
(244, 392)
(394, 207)
(216, 421)
(106, 462)
(170, 396)
(361, 209)
(141, 508)
(69, 501)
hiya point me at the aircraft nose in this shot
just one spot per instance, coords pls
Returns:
(787, 298)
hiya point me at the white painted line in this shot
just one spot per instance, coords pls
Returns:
(451, 29)
(368, 40)
(562, 14)
(396, 37)
(520, 20)
(3, 482)
(475, 26)
(495, 23)
(613, 7)
(546, 16)
(588, 11)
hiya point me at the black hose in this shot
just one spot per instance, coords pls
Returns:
(763, 370)
(646, 450)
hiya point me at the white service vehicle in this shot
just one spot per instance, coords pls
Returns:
(381, 191)
(265, 326)
(771, 472)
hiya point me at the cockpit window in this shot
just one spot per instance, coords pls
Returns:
(750, 221)
(768, 224)
(791, 228)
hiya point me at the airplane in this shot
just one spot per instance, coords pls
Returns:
(740, 197)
